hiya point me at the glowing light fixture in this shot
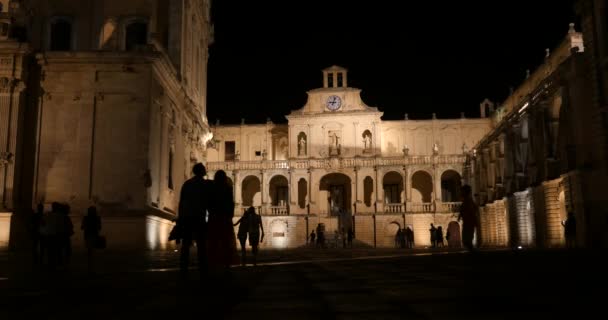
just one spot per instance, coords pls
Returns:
(524, 107)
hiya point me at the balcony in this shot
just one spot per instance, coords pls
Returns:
(393, 208)
(334, 163)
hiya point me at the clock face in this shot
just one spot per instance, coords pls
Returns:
(334, 103)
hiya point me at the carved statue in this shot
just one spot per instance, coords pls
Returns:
(302, 146)
(435, 149)
(367, 142)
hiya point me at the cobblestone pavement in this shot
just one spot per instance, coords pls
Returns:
(312, 284)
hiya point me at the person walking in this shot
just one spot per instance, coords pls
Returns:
(243, 224)
(221, 244)
(91, 226)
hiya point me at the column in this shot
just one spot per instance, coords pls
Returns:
(238, 192)
(355, 124)
(262, 191)
(405, 190)
(378, 184)
(356, 193)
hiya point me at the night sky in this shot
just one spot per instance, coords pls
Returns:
(414, 57)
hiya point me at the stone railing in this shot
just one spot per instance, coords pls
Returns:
(393, 208)
(421, 207)
(449, 207)
(335, 163)
(277, 210)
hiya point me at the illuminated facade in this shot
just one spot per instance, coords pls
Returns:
(101, 103)
(338, 163)
(544, 156)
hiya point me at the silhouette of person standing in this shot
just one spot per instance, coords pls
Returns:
(194, 202)
(221, 245)
(91, 226)
(313, 235)
(433, 232)
(255, 225)
(350, 237)
(468, 214)
(243, 224)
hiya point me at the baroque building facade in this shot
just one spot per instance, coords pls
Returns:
(102, 102)
(544, 156)
(337, 163)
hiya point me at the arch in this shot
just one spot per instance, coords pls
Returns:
(450, 186)
(136, 34)
(302, 143)
(337, 189)
(61, 34)
(251, 191)
(453, 235)
(368, 190)
(278, 190)
(302, 192)
(422, 187)
(393, 187)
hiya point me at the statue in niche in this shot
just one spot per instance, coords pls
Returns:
(334, 143)
(302, 144)
(435, 149)
(367, 141)
(465, 148)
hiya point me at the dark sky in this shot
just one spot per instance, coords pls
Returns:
(414, 57)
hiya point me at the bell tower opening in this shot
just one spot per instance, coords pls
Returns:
(335, 77)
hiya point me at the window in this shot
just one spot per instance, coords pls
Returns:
(170, 178)
(391, 193)
(330, 80)
(61, 35)
(136, 35)
(340, 83)
(258, 153)
(229, 150)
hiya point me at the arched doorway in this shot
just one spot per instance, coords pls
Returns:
(450, 186)
(251, 192)
(422, 187)
(393, 187)
(336, 187)
(278, 191)
(453, 235)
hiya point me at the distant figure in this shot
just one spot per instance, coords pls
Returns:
(64, 234)
(350, 236)
(343, 236)
(468, 214)
(570, 230)
(221, 245)
(410, 237)
(255, 225)
(49, 230)
(439, 236)
(91, 226)
(403, 239)
(243, 224)
(313, 235)
(433, 232)
(194, 201)
(320, 236)
(398, 238)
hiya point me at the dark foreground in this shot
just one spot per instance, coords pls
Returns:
(308, 284)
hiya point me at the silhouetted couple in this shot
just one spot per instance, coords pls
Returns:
(250, 224)
(205, 216)
(56, 230)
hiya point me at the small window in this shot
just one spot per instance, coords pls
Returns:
(229, 150)
(258, 153)
(340, 83)
(330, 80)
(61, 35)
(170, 178)
(136, 35)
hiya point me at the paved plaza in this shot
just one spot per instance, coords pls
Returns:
(315, 284)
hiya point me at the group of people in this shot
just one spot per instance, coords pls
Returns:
(317, 239)
(436, 236)
(51, 234)
(404, 238)
(206, 209)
